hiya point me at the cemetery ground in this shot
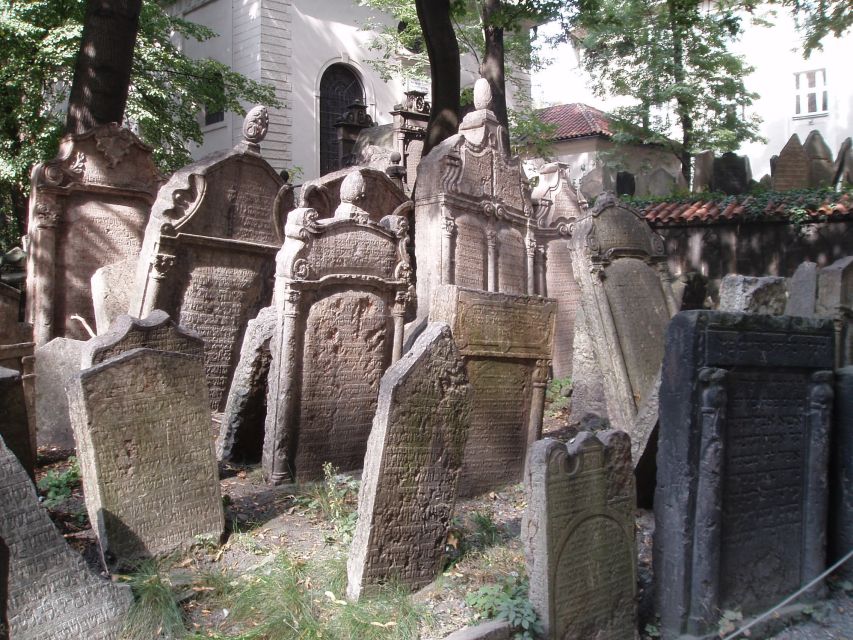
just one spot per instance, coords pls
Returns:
(282, 571)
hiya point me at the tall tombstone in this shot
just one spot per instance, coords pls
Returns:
(792, 168)
(15, 424)
(208, 258)
(341, 294)
(88, 208)
(703, 171)
(55, 364)
(112, 287)
(587, 378)
(802, 291)
(474, 226)
(506, 341)
(835, 300)
(411, 470)
(627, 300)
(841, 474)
(578, 533)
(139, 410)
(731, 174)
(821, 167)
(557, 210)
(46, 590)
(743, 454)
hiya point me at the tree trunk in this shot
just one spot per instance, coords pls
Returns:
(443, 52)
(102, 73)
(678, 74)
(492, 68)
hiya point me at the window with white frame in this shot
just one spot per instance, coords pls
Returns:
(811, 93)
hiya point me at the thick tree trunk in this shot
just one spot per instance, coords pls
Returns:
(678, 73)
(102, 74)
(443, 52)
(492, 68)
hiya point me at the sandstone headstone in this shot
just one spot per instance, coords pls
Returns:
(506, 341)
(747, 294)
(14, 424)
(741, 502)
(821, 169)
(835, 300)
(412, 465)
(55, 365)
(843, 166)
(579, 536)
(587, 379)
(841, 475)
(208, 258)
(241, 437)
(341, 295)
(802, 291)
(732, 174)
(369, 189)
(52, 595)
(111, 290)
(142, 425)
(597, 181)
(792, 167)
(88, 209)
(660, 183)
(703, 171)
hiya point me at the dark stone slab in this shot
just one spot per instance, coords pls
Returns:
(841, 474)
(732, 174)
(14, 425)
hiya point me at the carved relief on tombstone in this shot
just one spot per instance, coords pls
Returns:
(208, 258)
(89, 207)
(375, 192)
(342, 287)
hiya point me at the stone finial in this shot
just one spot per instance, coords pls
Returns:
(353, 188)
(482, 94)
(256, 124)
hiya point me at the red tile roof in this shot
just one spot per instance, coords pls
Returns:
(576, 120)
(737, 208)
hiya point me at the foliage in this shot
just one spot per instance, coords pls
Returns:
(335, 500)
(508, 601)
(529, 135)
(155, 612)
(817, 19)
(487, 532)
(729, 621)
(57, 486)
(557, 394)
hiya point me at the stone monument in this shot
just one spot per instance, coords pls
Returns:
(15, 424)
(369, 189)
(802, 291)
(835, 300)
(791, 170)
(55, 364)
(748, 294)
(743, 451)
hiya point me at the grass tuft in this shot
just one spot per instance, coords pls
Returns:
(155, 612)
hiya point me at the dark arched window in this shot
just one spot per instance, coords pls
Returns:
(339, 88)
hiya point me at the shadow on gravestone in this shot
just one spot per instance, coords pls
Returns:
(4, 589)
(841, 474)
(731, 174)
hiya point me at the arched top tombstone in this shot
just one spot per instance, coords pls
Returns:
(381, 195)
(613, 229)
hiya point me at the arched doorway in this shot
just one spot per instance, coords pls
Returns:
(339, 88)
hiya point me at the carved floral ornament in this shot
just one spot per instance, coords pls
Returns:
(301, 269)
(255, 125)
(47, 214)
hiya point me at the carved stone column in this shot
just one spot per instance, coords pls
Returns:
(448, 234)
(542, 272)
(44, 260)
(399, 314)
(816, 495)
(161, 264)
(531, 264)
(537, 401)
(492, 268)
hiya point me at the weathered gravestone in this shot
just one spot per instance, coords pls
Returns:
(208, 258)
(821, 168)
(55, 364)
(506, 341)
(703, 171)
(579, 537)
(748, 294)
(341, 293)
(112, 286)
(14, 422)
(142, 424)
(600, 179)
(88, 208)
(741, 502)
(731, 174)
(411, 469)
(835, 300)
(587, 379)
(627, 300)
(802, 291)
(791, 170)
(557, 209)
(371, 190)
(660, 183)
(841, 475)
(11, 330)
(52, 594)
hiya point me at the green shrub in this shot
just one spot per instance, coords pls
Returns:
(508, 601)
(57, 487)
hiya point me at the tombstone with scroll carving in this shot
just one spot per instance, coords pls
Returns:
(557, 209)
(374, 192)
(208, 258)
(627, 299)
(341, 292)
(89, 207)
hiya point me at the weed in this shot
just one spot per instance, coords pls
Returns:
(155, 612)
(57, 487)
(508, 601)
(213, 584)
(335, 500)
(557, 395)
(652, 631)
(729, 622)
(486, 533)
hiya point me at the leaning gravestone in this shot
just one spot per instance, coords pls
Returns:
(55, 365)
(341, 294)
(141, 421)
(209, 253)
(15, 425)
(411, 470)
(743, 451)
(821, 169)
(111, 289)
(791, 170)
(748, 294)
(579, 536)
(88, 209)
(52, 594)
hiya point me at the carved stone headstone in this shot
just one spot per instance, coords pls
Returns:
(112, 286)
(748, 294)
(587, 379)
(412, 465)
(371, 190)
(556, 211)
(660, 183)
(88, 209)
(628, 301)
(841, 475)
(597, 181)
(792, 167)
(821, 168)
(802, 291)
(703, 171)
(835, 300)
(732, 174)
(341, 293)
(743, 452)
(55, 365)
(142, 425)
(579, 536)
(209, 253)
(52, 594)
(506, 341)
(14, 424)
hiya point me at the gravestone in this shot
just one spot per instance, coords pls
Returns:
(841, 474)
(55, 365)
(660, 183)
(792, 167)
(112, 286)
(51, 594)
(579, 536)
(88, 209)
(802, 291)
(743, 452)
(241, 437)
(731, 174)
(835, 300)
(14, 424)
(208, 258)
(703, 171)
(748, 294)
(411, 469)
(557, 209)
(369, 189)
(587, 379)
(142, 425)
(843, 165)
(627, 299)
(341, 293)
(506, 341)
(821, 168)
(595, 182)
